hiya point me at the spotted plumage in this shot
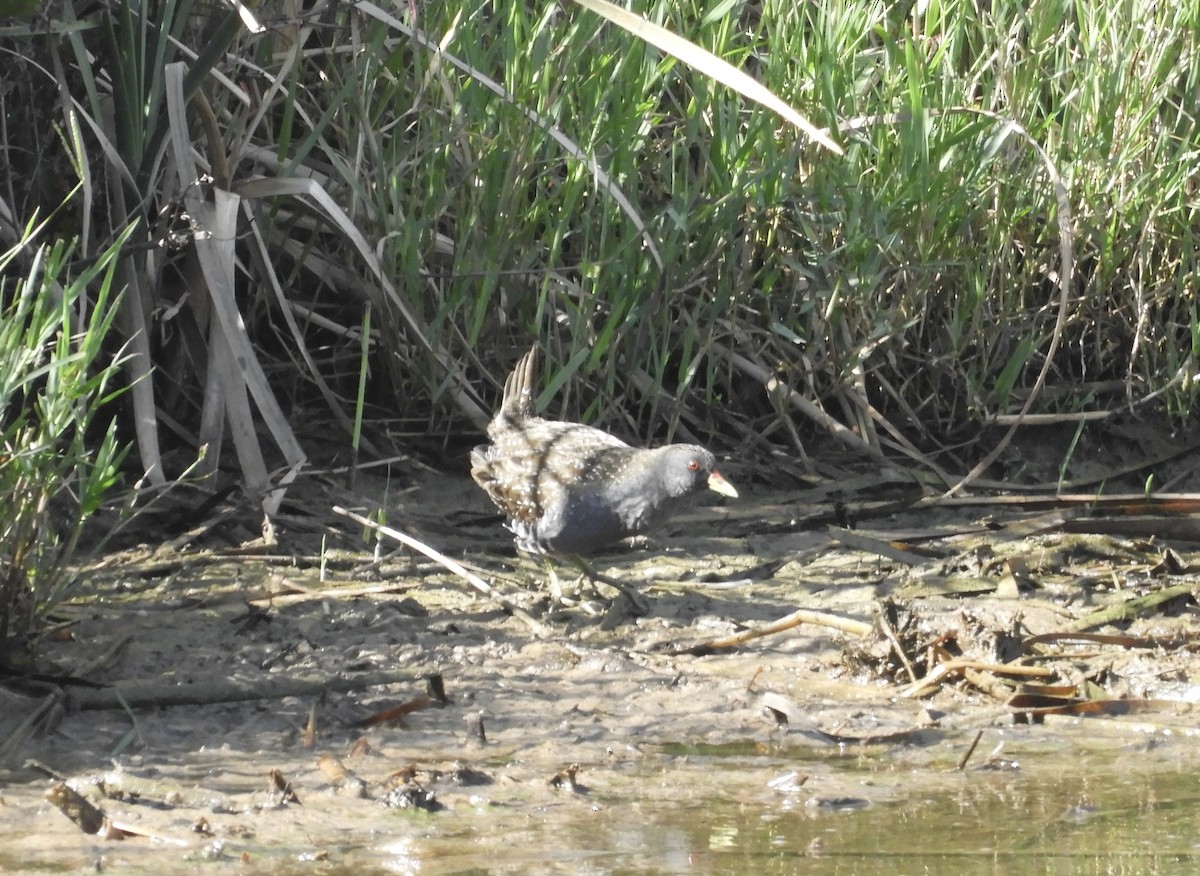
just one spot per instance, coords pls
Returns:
(567, 488)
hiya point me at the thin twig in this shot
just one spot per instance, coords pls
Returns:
(156, 693)
(942, 670)
(539, 629)
(962, 761)
(795, 619)
(895, 640)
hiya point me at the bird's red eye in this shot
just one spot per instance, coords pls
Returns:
(694, 465)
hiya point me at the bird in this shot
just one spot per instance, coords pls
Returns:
(568, 489)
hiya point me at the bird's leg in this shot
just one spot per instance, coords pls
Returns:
(563, 592)
(556, 591)
(628, 602)
(638, 605)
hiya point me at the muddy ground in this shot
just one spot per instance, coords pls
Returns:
(333, 703)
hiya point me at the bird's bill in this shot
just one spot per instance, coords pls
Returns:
(718, 484)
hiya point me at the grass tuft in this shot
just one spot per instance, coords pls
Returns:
(59, 452)
(1011, 224)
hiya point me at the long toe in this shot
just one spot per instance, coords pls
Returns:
(629, 604)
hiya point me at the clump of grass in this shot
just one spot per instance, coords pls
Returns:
(59, 452)
(910, 287)
(475, 176)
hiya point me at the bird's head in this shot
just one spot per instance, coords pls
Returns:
(688, 468)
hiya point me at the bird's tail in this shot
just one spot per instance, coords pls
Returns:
(520, 387)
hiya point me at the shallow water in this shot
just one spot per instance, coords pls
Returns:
(989, 823)
(1072, 809)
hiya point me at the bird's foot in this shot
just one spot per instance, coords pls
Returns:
(628, 600)
(576, 594)
(627, 605)
(584, 592)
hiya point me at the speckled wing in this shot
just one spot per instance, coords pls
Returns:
(532, 468)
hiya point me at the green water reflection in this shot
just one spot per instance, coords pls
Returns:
(1059, 807)
(1095, 815)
